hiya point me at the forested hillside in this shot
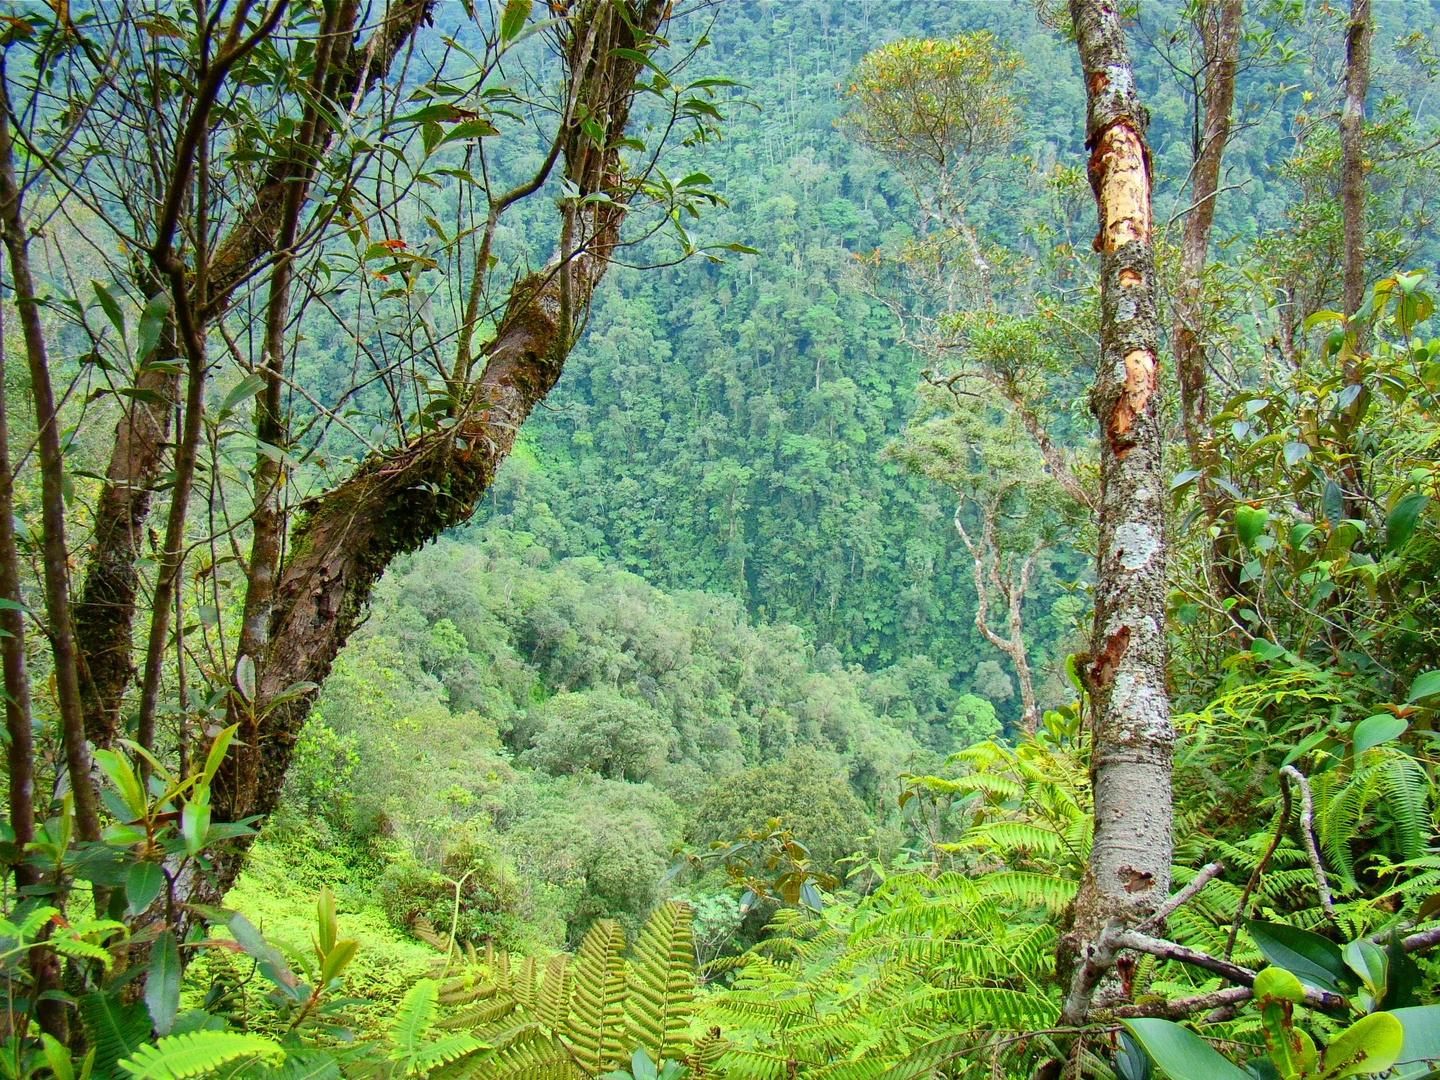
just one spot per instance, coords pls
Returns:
(614, 540)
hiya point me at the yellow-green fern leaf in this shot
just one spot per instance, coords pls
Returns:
(596, 1029)
(553, 1002)
(662, 983)
(178, 1057)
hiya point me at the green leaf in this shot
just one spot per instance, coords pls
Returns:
(162, 982)
(113, 1029)
(1181, 1054)
(1425, 686)
(217, 753)
(126, 782)
(152, 321)
(512, 20)
(57, 1056)
(111, 307)
(413, 1019)
(1403, 517)
(180, 1056)
(142, 884)
(1422, 1038)
(247, 387)
(1332, 503)
(1370, 1045)
(1296, 452)
(325, 922)
(338, 959)
(308, 1065)
(1375, 730)
(1278, 984)
(1315, 960)
(1250, 523)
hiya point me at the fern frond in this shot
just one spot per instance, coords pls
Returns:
(114, 1029)
(661, 983)
(1029, 889)
(415, 1017)
(177, 1057)
(596, 1027)
(553, 1001)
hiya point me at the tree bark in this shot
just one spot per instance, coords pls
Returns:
(1352, 153)
(400, 499)
(52, 472)
(1132, 740)
(1220, 31)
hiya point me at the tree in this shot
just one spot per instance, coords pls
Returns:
(249, 179)
(602, 732)
(1011, 509)
(1219, 26)
(1128, 875)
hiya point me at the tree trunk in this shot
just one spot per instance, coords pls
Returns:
(1220, 30)
(1352, 153)
(52, 499)
(1132, 740)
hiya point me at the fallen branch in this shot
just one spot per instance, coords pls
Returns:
(1307, 818)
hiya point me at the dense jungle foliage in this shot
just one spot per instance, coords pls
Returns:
(622, 540)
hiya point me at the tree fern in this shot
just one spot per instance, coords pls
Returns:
(596, 1028)
(553, 1001)
(177, 1057)
(415, 1017)
(661, 984)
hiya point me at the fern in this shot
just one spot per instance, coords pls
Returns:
(661, 984)
(414, 1019)
(114, 1029)
(597, 1006)
(177, 1057)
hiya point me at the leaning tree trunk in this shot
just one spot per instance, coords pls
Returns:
(1132, 740)
(1221, 33)
(398, 500)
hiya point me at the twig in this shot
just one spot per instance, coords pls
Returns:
(1307, 815)
(1183, 897)
(1259, 869)
(1169, 950)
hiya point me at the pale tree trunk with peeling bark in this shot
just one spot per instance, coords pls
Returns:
(1219, 25)
(1132, 739)
(996, 571)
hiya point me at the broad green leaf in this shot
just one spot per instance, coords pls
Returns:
(1250, 523)
(1314, 960)
(1403, 517)
(1181, 1054)
(1425, 686)
(1296, 452)
(1332, 502)
(247, 387)
(1279, 984)
(512, 20)
(1421, 1048)
(111, 307)
(338, 959)
(1375, 730)
(126, 782)
(57, 1056)
(325, 922)
(162, 982)
(217, 753)
(142, 885)
(1370, 1045)
(152, 321)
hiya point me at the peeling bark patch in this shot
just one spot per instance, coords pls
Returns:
(1130, 277)
(1135, 544)
(1120, 177)
(1139, 387)
(1135, 880)
(1103, 669)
